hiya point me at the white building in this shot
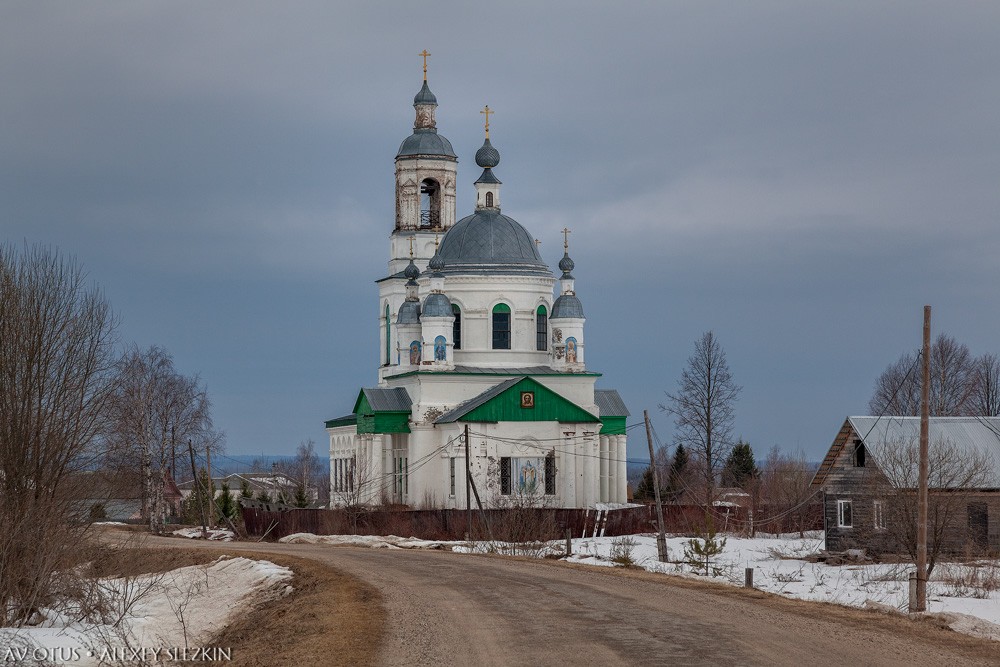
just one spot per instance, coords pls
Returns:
(472, 337)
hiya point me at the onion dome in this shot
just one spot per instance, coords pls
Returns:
(567, 306)
(487, 157)
(488, 242)
(437, 264)
(409, 312)
(425, 96)
(566, 265)
(411, 271)
(437, 305)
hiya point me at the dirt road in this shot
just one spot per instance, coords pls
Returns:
(451, 609)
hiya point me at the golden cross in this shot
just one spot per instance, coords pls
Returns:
(411, 247)
(487, 110)
(566, 234)
(424, 54)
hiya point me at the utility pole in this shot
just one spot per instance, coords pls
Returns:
(925, 388)
(468, 487)
(197, 492)
(210, 491)
(661, 539)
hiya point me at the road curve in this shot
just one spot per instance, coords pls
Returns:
(446, 608)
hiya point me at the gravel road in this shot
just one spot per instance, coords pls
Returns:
(451, 609)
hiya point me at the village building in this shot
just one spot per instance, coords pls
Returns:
(472, 338)
(868, 483)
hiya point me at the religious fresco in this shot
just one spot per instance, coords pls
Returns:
(528, 475)
(415, 353)
(571, 350)
(440, 349)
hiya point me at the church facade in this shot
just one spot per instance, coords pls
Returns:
(482, 358)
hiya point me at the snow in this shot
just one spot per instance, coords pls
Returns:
(213, 534)
(779, 567)
(373, 541)
(174, 610)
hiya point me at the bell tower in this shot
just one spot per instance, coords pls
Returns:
(426, 168)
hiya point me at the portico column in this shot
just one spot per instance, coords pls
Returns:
(603, 497)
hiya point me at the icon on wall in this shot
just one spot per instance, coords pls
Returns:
(527, 399)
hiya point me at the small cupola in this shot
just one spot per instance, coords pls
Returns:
(487, 157)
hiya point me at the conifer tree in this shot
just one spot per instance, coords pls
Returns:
(740, 468)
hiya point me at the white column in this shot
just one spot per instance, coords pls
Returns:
(613, 468)
(622, 469)
(603, 496)
(569, 460)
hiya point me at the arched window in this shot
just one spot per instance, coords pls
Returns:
(489, 199)
(501, 327)
(430, 204)
(456, 329)
(541, 329)
(388, 357)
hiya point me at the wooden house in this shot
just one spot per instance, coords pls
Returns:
(869, 477)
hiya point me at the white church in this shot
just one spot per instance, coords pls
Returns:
(476, 336)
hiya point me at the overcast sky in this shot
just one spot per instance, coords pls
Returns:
(800, 178)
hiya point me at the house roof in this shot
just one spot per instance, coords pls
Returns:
(610, 403)
(462, 408)
(969, 435)
(387, 399)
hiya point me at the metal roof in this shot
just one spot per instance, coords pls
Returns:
(436, 305)
(566, 306)
(409, 313)
(487, 156)
(610, 403)
(426, 141)
(464, 408)
(388, 399)
(490, 242)
(425, 96)
(969, 435)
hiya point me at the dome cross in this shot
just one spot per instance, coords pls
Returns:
(487, 111)
(566, 232)
(424, 54)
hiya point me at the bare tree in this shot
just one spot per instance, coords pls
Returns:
(307, 472)
(952, 471)
(986, 396)
(784, 490)
(953, 383)
(156, 412)
(56, 377)
(703, 409)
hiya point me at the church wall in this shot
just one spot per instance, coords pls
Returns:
(477, 295)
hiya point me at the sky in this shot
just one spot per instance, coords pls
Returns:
(798, 178)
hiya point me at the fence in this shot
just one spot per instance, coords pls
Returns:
(517, 524)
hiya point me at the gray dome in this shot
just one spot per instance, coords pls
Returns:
(409, 313)
(567, 306)
(487, 156)
(425, 96)
(491, 243)
(426, 141)
(411, 271)
(437, 305)
(437, 262)
(566, 264)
